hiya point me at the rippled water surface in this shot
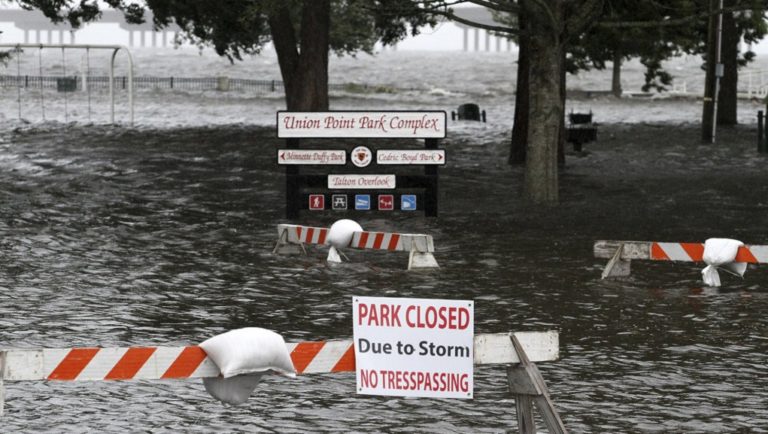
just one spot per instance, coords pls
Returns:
(162, 234)
(114, 236)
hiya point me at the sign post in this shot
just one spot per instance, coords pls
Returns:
(356, 180)
(414, 347)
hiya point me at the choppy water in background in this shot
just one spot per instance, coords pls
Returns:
(162, 235)
(413, 80)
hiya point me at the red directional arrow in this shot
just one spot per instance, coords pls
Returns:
(439, 156)
(282, 156)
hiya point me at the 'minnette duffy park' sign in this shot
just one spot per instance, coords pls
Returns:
(349, 183)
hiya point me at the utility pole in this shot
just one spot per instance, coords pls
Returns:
(718, 68)
(714, 71)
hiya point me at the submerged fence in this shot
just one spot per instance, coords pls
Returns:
(77, 82)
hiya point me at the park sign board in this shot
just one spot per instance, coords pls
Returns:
(341, 179)
(362, 124)
(414, 347)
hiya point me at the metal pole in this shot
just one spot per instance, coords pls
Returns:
(112, 79)
(18, 78)
(718, 68)
(760, 138)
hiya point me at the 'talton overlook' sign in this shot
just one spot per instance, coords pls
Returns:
(350, 184)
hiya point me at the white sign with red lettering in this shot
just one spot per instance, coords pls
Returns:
(352, 124)
(361, 181)
(414, 347)
(314, 157)
(402, 156)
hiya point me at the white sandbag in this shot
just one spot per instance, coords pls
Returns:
(333, 255)
(340, 234)
(249, 350)
(233, 390)
(721, 253)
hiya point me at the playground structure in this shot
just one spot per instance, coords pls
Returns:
(65, 83)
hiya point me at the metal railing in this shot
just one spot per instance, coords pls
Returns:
(96, 82)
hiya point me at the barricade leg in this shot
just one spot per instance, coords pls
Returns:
(528, 386)
(283, 247)
(2, 389)
(419, 259)
(524, 409)
(617, 267)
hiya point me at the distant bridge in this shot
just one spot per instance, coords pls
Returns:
(36, 25)
(483, 16)
(39, 29)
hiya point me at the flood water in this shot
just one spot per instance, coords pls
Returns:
(118, 237)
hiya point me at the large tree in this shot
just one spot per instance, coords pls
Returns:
(550, 26)
(737, 21)
(303, 32)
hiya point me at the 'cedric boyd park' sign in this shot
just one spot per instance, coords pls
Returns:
(414, 347)
(352, 181)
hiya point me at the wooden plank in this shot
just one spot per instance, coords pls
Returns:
(95, 364)
(632, 249)
(497, 348)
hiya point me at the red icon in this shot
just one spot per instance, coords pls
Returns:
(316, 202)
(386, 202)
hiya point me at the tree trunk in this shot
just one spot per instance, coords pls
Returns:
(708, 115)
(616, 78)
(520, 126)
(303, 62)
(728, 98)
(546, 110)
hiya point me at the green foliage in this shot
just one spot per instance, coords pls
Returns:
(239, 27)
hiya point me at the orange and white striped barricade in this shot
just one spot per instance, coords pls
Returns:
(292, 239)
(177, 363)
(621, 253)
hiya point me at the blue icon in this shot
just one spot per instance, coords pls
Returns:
(408, 202)
(363, 201)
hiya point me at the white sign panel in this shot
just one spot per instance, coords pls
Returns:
(352, 124)
(401, 156)
(361, 181)
(311, 156)
(414, 347)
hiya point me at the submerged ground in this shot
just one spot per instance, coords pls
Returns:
(116, 236)
(161, 234)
